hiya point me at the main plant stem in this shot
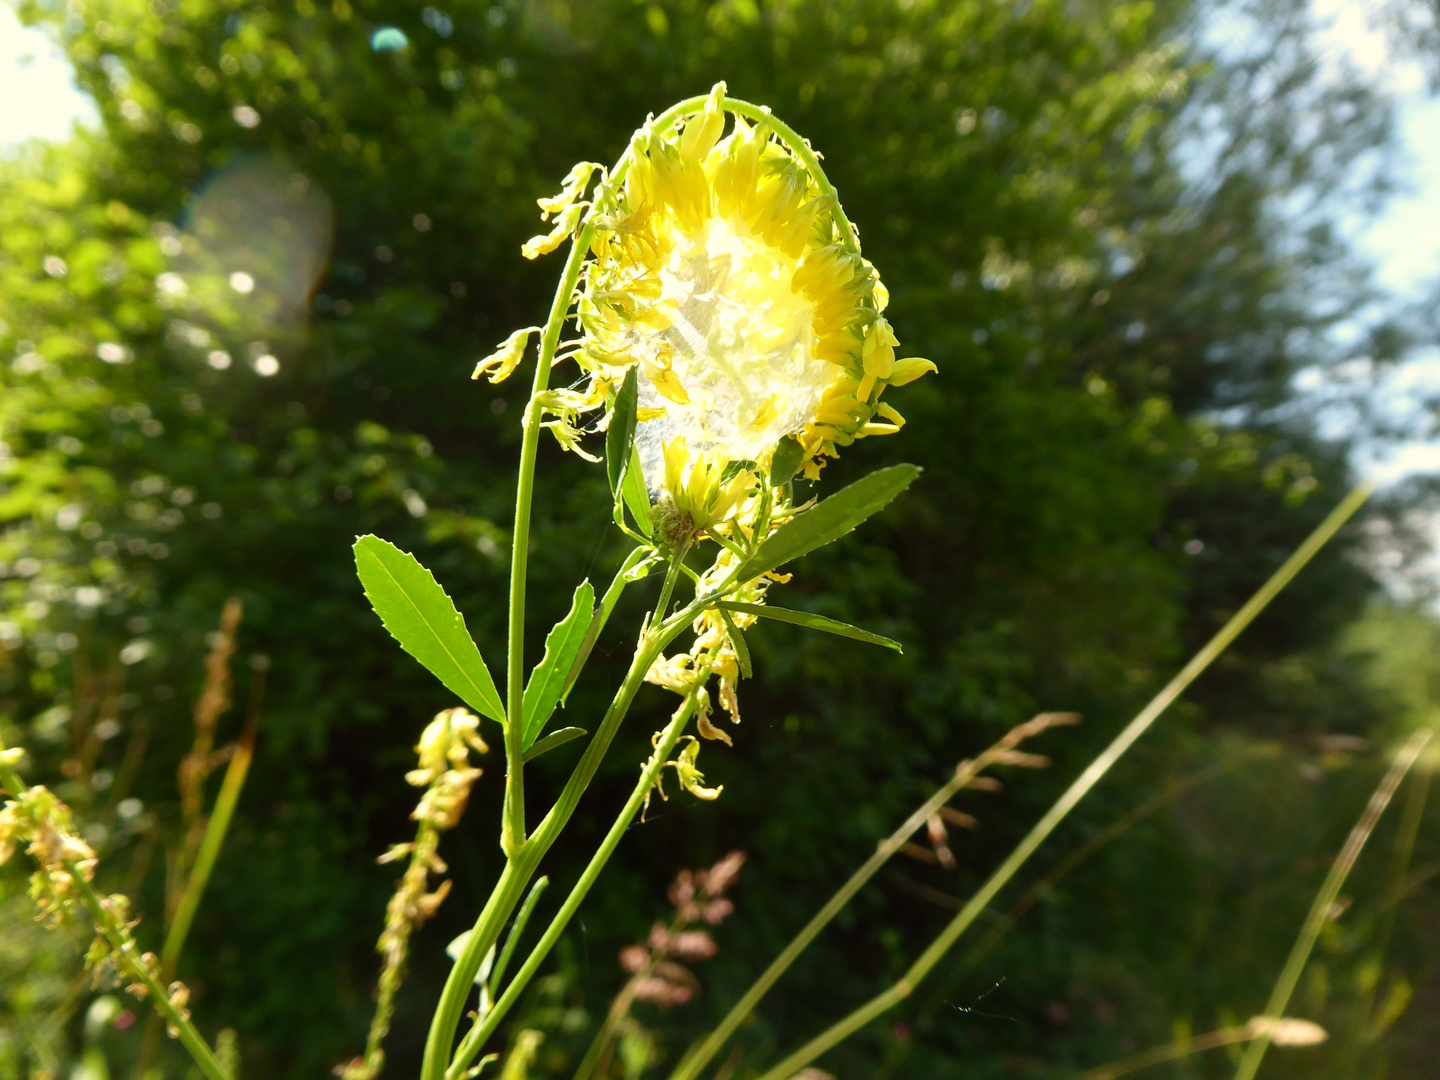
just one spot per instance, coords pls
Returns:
(485, 1027)
(521, 867)
(512, 837)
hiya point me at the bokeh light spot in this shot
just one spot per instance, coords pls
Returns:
(389, 39)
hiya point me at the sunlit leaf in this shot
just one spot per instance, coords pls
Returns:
(620, 435)
(421, 616)
(814, 622)
(548, 679)
(830, 519)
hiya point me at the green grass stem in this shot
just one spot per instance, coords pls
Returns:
(1077, 791)
(1325, 899)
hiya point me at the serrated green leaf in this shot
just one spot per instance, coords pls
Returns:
(808, 619)
(830, 519)
(633, 490)
(421, 616)
(558, 737)
(548, 679)
(785, 462)
(620, 435)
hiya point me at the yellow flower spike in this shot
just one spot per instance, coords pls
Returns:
(878, 356)
(882, 409)
(700, 497)
(572, 187)
(824, 269)
(504, 360)
(568, 436)
(667, 384)
(722, 267)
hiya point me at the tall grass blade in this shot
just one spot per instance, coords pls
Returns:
(1077, 791)
(210, 845)
(1325, 899)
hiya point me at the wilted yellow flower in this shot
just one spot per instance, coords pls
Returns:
(689, 774)
(499, 364)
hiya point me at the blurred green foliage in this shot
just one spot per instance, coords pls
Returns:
(195, 403)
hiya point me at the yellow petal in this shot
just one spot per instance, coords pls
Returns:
(910, 369)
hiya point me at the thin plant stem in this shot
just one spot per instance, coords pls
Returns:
(691, 1065)
(1080, 855)
(513, 832)
(519, 868)
(487, 1024)
(516, 929)
(124, 946)
(210, 844)
(677, 560)
(1077, 791)
(1170, 1051)
(1325, 899)
(1401, 855)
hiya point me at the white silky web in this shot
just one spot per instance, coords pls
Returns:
(740, 341)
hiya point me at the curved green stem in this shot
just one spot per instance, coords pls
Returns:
(801, 149)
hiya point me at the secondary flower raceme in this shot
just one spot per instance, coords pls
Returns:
(722, 268)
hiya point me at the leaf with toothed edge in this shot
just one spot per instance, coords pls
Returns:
(421, 616)
(829, 519)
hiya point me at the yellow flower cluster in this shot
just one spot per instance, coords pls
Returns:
(721, 266)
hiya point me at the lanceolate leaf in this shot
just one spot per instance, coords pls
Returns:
(620, 435)
(548, 679)
(814, 622)
(830, 519)
(632, 486)
(421, 616)
(559, 737)
(737, 640)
